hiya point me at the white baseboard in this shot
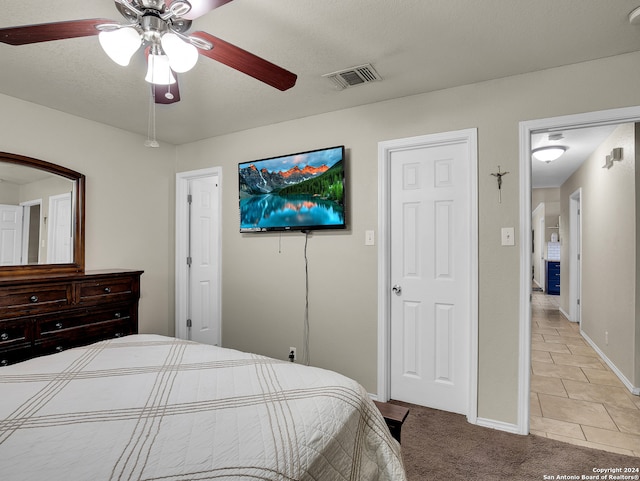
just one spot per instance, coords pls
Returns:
(562, 311)
(498, 425)
(634, 389)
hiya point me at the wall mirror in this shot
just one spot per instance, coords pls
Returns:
(41, 217)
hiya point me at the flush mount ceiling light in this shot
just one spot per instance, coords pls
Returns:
(549, 153)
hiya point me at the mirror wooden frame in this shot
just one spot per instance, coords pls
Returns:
(78, 222)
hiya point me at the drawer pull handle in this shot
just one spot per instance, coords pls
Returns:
(33, 299)
(58, 325)
(117, 315)
(59, 348)
(107, 290)
(4, 336)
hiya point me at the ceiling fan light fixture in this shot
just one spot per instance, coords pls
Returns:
(182, 55)
(120, 44)
(549, 153)
(159, 71)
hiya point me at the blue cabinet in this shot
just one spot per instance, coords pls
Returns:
(553, 278)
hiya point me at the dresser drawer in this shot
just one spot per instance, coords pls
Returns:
(83, 319)
(22, 300)
(81, 336)
(11, 356)
(15, 332)
(106, 289)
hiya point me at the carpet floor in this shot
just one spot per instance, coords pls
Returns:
(438, 446)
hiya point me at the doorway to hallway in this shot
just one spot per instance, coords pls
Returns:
(527, 129)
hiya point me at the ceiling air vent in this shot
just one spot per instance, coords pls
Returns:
(353, 76)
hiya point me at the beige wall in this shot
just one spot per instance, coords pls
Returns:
(263, 296)
(9, 193)
(608, 249)
(130, 214)
(130, 195)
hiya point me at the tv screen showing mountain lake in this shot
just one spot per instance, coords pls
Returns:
(293, 192)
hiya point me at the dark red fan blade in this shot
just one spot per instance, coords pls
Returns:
(200, 7)
(166, 94)
(46, 32)
(246, 62)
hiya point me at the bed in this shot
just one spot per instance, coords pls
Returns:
(149, 407)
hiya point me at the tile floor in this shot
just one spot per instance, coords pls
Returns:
(575, 397)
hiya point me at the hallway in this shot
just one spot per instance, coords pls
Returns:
(575, 397)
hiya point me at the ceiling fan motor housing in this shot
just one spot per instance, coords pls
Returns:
(152, 26)
(155, 4)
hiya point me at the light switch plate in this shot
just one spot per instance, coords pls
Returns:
(369, 238)
(508, 236)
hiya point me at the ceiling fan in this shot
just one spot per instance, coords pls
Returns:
(160, 26)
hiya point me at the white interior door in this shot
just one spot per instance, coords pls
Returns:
(60, 244)
(198, 261)
(10, 234)
(431, 238)
(203, 270)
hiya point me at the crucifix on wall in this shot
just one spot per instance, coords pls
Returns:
(498, 175)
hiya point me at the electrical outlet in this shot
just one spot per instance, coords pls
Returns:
(606, 337)
(295, 355)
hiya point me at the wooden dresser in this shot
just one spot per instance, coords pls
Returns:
(46, 314)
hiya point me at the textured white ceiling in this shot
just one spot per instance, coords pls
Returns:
(415, 45)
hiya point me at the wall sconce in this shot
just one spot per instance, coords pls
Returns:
(615, 155)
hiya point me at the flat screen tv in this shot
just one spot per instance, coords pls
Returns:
(302, 191)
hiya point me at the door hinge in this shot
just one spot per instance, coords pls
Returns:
(189, 260)
(578, 301)
(188, 322)
(189, 198)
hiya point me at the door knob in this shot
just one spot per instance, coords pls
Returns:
(397, 289)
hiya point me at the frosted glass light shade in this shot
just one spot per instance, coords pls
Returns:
(120, 44)
(159, 71)
(548, 154)
(182, 55)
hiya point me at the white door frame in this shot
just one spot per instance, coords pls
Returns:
(575, 250)
(385, 149)
(182, 248)
(589, 119)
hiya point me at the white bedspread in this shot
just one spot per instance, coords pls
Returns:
(149, 407)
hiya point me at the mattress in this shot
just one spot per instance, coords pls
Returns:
(148, 407)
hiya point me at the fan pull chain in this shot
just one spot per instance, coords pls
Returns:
(151, 129)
